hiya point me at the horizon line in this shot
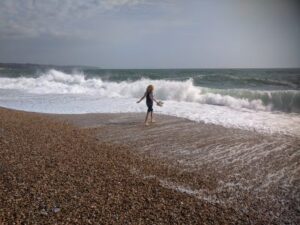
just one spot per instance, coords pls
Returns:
(140, 68)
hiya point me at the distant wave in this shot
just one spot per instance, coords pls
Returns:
(57, 82)
(246, 80)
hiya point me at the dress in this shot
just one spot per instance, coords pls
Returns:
(149, 101)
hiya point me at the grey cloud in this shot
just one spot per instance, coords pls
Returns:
(31, 18)
(151, 33)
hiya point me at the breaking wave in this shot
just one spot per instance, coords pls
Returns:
(57, 82)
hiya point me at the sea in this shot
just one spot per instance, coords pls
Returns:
(262, 100)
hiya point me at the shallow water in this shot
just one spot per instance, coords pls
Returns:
(261, 100)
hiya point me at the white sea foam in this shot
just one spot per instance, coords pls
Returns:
(58, 92)
(56, 82)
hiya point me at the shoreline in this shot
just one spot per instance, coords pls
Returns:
(266, 124)
(219, 174)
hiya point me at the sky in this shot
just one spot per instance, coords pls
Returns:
(151, 34)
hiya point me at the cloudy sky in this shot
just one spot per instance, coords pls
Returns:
(151, 33)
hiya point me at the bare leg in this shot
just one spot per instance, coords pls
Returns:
(152, 120)
(146, 119)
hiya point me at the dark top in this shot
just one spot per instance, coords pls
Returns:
(149, 98)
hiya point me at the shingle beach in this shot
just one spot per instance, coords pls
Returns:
(77, 170)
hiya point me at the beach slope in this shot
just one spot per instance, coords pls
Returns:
(110, 169)
(52, 172)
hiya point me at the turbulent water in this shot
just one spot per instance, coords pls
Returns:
(266, 100)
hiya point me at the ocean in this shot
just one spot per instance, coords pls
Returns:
(263, 100)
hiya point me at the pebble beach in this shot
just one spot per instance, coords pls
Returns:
(97, 169)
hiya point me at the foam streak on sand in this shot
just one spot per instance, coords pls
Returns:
(231, 167)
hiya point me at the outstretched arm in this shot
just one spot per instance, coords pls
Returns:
(141, 98)
(153, 99)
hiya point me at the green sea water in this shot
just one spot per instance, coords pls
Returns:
(277, 87)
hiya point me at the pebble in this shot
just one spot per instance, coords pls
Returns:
(56, 210)
(43, 212)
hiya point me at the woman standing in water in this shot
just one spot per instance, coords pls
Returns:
(149, 102)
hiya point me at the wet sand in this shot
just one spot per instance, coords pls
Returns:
(110, 169)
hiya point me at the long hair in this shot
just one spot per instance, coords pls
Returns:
(150, 88)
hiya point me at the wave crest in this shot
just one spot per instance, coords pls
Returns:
(57, 82)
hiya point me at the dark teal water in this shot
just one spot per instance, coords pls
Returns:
(258, 79)
(277, 87)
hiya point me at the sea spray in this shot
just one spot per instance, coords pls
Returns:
(58, 82)
(55, 91)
